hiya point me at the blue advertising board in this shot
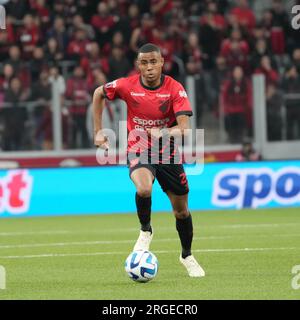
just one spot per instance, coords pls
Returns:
(105, 190)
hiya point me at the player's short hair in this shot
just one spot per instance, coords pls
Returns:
(149, 47)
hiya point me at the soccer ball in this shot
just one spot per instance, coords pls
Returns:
(141, 266)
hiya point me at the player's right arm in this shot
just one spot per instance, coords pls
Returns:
(100, 140)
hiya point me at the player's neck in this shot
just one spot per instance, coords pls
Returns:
(152, 85)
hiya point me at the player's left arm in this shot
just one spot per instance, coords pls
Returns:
(181, 129)
(183, 124)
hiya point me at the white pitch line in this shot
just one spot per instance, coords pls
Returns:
(96, 242)
(110, 230)
(48, 255)
(260, 225)
(33, 233)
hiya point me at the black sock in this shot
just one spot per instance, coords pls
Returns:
(185, 231)
(143, 206)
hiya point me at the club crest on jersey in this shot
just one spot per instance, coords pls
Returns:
(111, 84)
(164, 105)
(182, 94)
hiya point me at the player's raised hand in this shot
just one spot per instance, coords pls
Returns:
(101, 140)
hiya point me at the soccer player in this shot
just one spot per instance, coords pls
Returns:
(158, 110)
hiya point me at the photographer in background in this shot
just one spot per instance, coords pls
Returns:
(248, 153)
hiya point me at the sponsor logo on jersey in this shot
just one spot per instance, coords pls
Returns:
(163, 95)
(183, 94)
(255, 187)
(141, 124)
(137, 94)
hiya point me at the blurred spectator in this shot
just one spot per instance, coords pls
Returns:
(78, 47)
(70, 10)
(259, 33)
(118, 41)
(14, 58)
(261, 49)
(58, 8)
(161, 9)
(243, 15)
(78, 23)
(166, 45)
(192, 52)
(274, 115)
(265, 68)
(41, 9)
(142, 34)
(291, 86)
(28, 35)
(119, 65)
(7, 38)
(15, 115)
(235, 50)
(78, 94)
(296, 59)
(41, 94)
(280, 27)
(109, 111)
(130, 22)
(17, 9)
(237, 105)
(5, 79)
(93, 60)
(58, 31)
(41, 90)
(44, 128)
(54, 75)
(20, 68)
(201, 96)
(38, 63)
(52, 52)
(212, 29)
(104, 23)
(248, 153)
(217, 77)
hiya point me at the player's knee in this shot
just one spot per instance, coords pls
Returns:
(144, 191)
(181, 214)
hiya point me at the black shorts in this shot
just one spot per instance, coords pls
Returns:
(171, 177)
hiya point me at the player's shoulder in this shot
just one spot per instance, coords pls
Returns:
(133, 79)
(122, 81)
(175, 87)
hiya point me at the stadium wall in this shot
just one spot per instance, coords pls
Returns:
(108, 190)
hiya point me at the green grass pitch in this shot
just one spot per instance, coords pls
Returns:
(247, 254)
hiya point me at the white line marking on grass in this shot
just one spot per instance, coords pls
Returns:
(226, 226)
(32, 233)
(48, 255)
(204, 226)
(259, 225)
(96, 242)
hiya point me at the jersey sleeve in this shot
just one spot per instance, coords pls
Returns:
(181, 103)
(114, 90)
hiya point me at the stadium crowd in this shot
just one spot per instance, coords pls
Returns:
(85, 43)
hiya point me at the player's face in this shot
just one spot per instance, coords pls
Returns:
(150, 65)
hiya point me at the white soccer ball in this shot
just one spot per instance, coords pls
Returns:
(141, 266)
